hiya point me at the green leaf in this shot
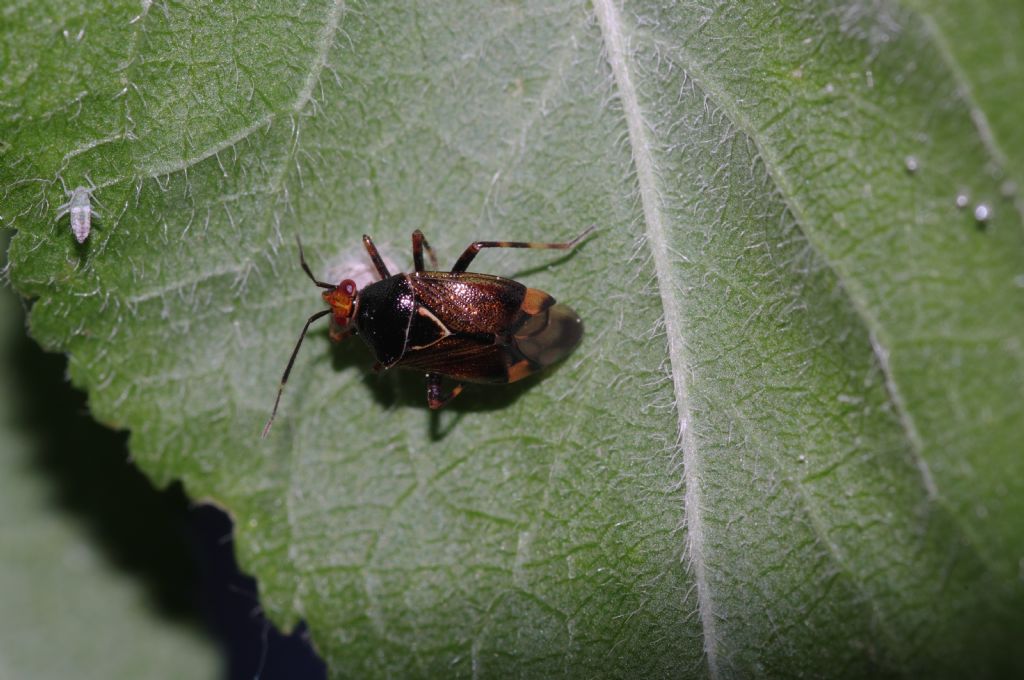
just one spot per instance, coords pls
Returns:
(66, 610)
(789, 443)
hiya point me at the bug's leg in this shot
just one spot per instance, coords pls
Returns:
(337, 334)
(434, 397)
(378, 262)
(288, 369)
(467, 256)
(419, 242)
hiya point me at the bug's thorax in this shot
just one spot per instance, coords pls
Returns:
(383, 317)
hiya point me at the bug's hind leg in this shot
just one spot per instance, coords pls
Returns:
(434, 397)
(467, 256)
(419, 242)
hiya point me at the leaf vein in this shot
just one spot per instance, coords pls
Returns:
(316, 67)
(856, 295)
(612, 30)
(978, 117)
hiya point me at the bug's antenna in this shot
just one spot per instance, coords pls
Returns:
(291, 361)
(305, 267)
(586, 232)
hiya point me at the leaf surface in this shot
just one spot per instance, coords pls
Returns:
(789, 442)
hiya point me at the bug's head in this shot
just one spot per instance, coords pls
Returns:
(341, 299)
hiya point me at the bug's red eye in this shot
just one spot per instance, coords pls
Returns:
(349, 286)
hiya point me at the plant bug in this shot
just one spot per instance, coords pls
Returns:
(475, 328)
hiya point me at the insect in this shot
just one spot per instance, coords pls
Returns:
(471, 327)
(79, 207)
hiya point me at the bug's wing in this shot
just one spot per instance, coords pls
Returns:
(541, 333)
(469, 359)
(470, 303)
(544, 338)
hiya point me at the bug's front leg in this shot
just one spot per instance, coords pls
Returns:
(419, 242)
(434, 398)
(378, 261)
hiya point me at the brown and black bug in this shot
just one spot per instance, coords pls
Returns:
(470, 327)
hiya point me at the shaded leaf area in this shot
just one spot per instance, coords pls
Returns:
(68, 608)
(90, 541)
(787, 443)
(254, 647)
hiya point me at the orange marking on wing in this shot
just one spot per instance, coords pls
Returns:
(535, 301)
(519, 370)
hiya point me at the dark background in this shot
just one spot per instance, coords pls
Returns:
(182, 553)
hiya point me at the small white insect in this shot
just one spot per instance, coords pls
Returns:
(79, 207)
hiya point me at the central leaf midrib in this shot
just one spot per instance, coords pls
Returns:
(612, 34)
